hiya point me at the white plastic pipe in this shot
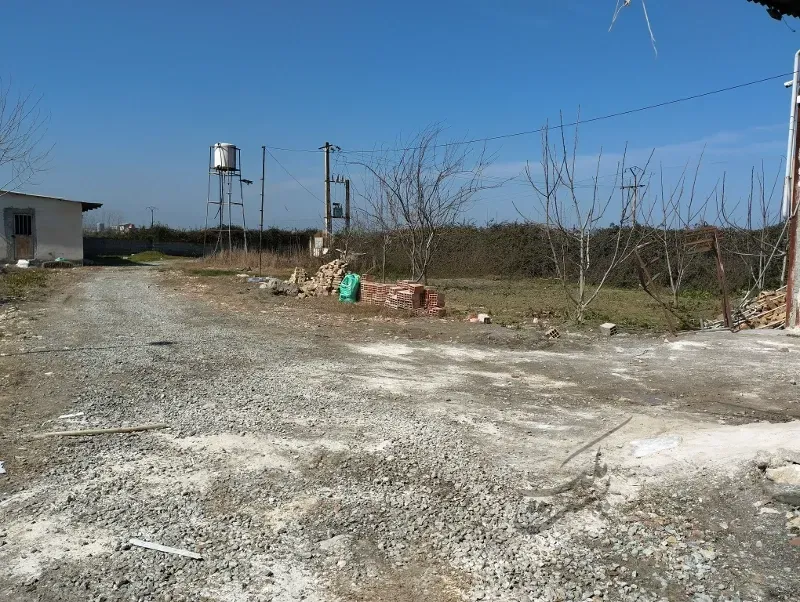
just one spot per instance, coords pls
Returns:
(790, 147)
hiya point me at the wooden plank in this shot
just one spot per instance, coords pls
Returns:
(87, 432)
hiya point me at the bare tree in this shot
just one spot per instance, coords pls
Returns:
(376, 217)
(111, 219)
(22, 129)
(572, 217)
(757, 238)
(427, 186)
(679, 211)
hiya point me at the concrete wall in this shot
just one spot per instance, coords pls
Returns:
(57, 227)
(94, 246)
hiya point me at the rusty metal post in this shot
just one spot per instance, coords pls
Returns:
(723, 284)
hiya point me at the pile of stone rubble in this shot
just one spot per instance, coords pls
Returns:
(324, 283)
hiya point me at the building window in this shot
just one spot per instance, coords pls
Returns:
(23, 225)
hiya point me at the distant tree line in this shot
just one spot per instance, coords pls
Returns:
(515, 250)
(522, 250)
(274, 239)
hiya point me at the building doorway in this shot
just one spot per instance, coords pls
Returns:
(23, 236)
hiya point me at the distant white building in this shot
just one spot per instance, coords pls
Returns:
(41, 228)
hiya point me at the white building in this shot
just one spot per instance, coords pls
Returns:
(41, 228)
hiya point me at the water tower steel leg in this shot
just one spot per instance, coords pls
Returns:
(208, 202)
(230, 214)
(221, 229)
(244, 221)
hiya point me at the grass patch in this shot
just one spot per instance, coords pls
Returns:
(109, 260)
(136, 259)
(275, 264)
(211, 272)
(20, 284)
(148, 256)
(520, 300)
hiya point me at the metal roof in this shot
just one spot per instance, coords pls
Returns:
(779, 8)
(85, 205)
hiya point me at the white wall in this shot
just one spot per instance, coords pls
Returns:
(58, 227)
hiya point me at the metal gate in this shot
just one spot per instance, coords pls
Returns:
(23, 236)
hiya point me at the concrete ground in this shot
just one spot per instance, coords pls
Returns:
(366, 461)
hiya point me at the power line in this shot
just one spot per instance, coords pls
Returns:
(574, 123)
(291, 176)
(294, 150)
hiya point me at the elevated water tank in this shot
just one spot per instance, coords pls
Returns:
(225, 156)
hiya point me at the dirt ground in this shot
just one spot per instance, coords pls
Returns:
(346, 455)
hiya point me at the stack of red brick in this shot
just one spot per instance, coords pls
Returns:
(405, 295)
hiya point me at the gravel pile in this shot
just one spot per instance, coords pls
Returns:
(291, 493)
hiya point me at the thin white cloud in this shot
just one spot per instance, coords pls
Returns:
(761, 141)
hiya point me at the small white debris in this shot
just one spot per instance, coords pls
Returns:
(608, 329)
(648, 447)
(158, 547)
(75, 415)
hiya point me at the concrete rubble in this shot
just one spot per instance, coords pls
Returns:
(299, 276)
(278, 287)
(782, 475)
(324, 283)
(403, 295)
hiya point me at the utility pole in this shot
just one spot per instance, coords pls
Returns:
(791, 201)
(152, 211)
(261, 223)
(347, 205)
(793, 252)
(634, 188)
(328, 147)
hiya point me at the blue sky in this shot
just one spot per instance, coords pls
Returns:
(138, 91)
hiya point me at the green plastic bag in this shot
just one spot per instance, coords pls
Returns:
(348, 289)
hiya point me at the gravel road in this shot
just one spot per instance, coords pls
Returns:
(305, 466)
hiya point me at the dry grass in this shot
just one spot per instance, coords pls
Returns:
(279, 265)
(516, 301)
(508, 301)
(20, 284)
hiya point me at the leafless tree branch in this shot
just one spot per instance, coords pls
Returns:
(572, 218)
(423, 188)
(23, 125)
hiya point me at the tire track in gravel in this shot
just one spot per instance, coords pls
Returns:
(303, 468)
